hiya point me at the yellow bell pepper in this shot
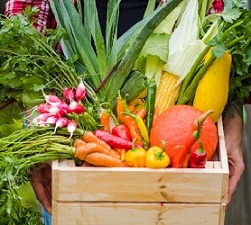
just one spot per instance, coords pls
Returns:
(136, 157)
(156, 157)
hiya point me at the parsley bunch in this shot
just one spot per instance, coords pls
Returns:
(29, 63)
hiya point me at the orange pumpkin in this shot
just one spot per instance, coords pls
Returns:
(176, 126)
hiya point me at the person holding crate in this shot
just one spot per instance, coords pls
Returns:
(131, 11)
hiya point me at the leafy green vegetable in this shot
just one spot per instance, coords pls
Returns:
(185, 45)
(155, 51)
(233, 35)
(125, 66)
(12, 211)
(31, 62)
(99, 57)
(16, 158)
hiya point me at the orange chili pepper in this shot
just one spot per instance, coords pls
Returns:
(136, 105)
(134, 130)
(104, 120)
(141, 113)
(119, 109)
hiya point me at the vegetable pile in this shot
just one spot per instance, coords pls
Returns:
(150, 98)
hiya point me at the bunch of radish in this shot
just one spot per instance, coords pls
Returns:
(54, 111)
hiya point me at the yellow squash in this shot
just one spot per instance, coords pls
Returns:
(213, 88)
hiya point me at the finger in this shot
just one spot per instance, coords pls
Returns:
(48, 193)
(235, 175)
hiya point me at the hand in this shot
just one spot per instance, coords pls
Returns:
(233, 128)
(40, 179)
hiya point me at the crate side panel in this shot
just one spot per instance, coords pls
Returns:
(222, 152)
(139, 185)
(136, 213)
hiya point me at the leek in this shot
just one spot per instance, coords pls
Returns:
(155, 51)
(184, 44)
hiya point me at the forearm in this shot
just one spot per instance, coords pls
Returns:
(233, 123)
(233, 130)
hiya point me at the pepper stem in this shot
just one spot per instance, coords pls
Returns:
(163, 147)
(201, 146)
(200, 120)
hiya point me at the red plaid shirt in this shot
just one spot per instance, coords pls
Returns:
(45, 17)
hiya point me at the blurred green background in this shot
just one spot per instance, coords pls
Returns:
(28, 196)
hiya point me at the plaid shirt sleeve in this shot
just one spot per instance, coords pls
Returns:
(44, 19)
(217, 6)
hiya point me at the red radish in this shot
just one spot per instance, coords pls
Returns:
(52, 119)
(76, 107)
(51, 99)
(60, 109)
(71, 127)
(65, 106)
(41, 119)
(61, 122)
(80, 91)
(57, 110)
(69, 94)
(42, 108)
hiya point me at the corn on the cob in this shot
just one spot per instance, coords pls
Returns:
(167, 92)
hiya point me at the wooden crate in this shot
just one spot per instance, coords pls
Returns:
(134, 196)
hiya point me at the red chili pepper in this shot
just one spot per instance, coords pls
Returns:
(122, 131)
(198, 158)
(113, 141)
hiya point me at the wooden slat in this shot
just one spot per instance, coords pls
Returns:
(113, 184)
(136, 214)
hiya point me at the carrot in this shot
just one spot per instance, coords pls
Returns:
(83, 150)
(100, 159)
(78, 142)
(121, 152)
(89, 136)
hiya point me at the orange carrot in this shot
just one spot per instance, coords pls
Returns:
(122, 155)
(121, 152)
(83, 150)
(78, 142)
(100, 159)
(91, 137)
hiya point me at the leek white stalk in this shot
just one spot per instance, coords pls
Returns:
(184, 44)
